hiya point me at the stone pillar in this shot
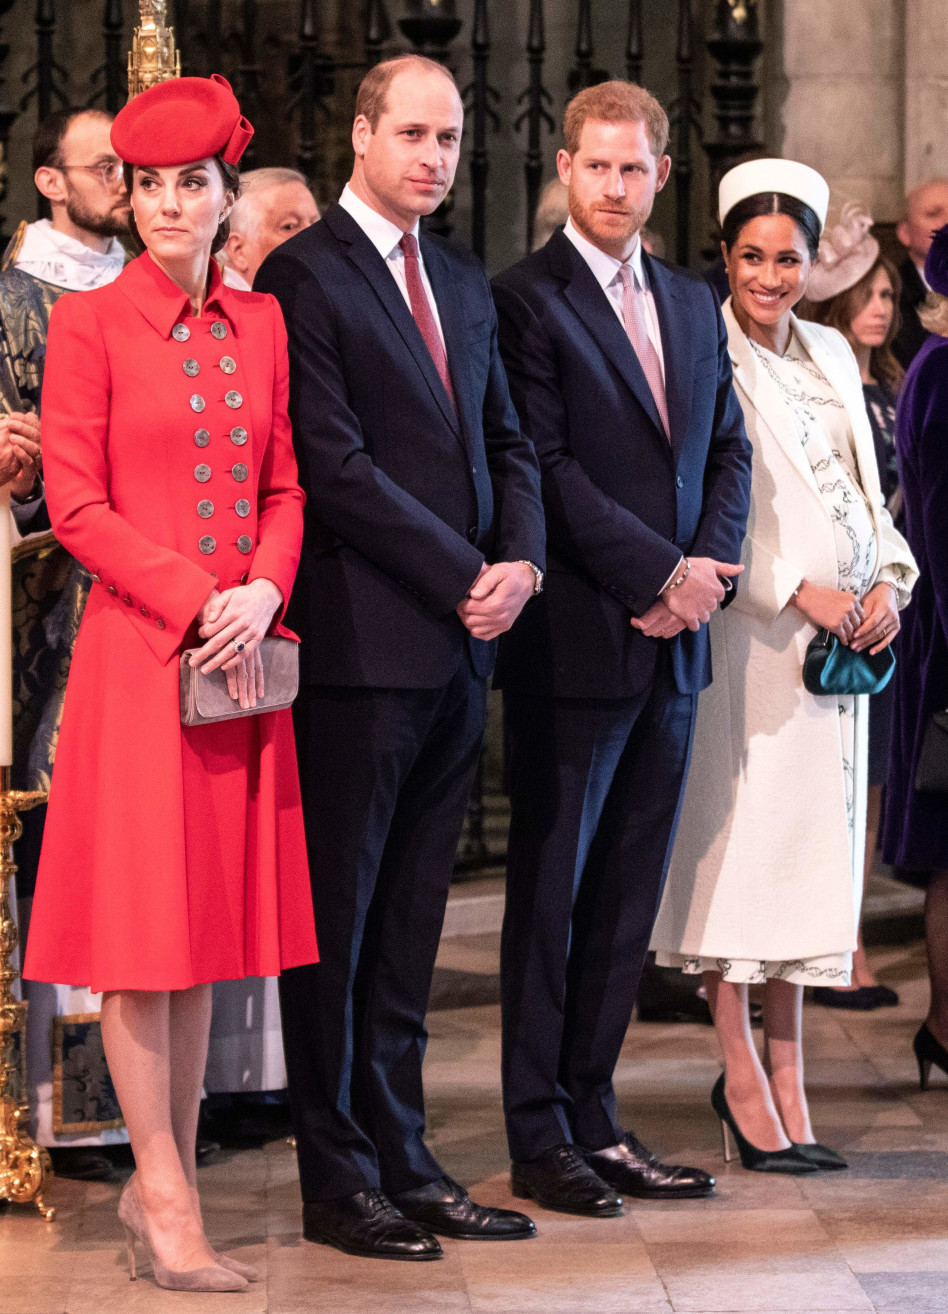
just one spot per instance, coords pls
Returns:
(837, 91)
(926, 91)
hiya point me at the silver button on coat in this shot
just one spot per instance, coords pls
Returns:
(238, 435)
(244, 544)
(201, 437)
(239, 471)
(243, 507)
(205, 508)
(180, 332)
(197, 402)
(219, 330)
(207, 544)
(191, 367)
(233, 399)
(228, 364)
(202, 473)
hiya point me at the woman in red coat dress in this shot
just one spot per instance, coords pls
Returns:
(173, 856)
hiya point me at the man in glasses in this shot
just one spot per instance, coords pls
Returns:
(77, 248)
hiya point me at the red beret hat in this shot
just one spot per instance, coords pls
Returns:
(179, 121)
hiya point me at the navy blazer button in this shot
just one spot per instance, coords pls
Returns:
(680, 482)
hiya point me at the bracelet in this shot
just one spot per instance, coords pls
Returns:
(677, 583)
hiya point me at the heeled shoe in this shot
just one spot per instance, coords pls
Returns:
(755, 1160)
(820, 1155)
(248, 1273)
(212, 1277)
(928, 1051)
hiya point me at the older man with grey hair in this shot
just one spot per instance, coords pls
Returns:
(272, 206)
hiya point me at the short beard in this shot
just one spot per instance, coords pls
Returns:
(584, 218)
(108, 224)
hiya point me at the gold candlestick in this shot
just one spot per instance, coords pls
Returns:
(152, 58)
(24, 1165)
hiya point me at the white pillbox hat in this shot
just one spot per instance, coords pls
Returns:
(786, 176)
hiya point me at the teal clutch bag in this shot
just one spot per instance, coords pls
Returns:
(831, 668)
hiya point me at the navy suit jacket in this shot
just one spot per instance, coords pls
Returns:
(623, 504)
(406, 496)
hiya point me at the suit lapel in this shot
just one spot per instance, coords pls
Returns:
(368, 261)
(592, 306)
(451, 313)
(673, 326)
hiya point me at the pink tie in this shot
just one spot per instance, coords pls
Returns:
(633, 316)
(421, 310)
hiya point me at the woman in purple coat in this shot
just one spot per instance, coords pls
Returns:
(915, 824)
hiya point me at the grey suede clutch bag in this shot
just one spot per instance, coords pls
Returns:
(204, 698)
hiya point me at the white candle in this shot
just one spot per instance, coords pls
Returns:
(6, 632)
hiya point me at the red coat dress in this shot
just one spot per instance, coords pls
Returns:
(172, 856)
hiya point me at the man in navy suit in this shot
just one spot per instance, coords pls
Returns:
(619, 370)
(424, 538)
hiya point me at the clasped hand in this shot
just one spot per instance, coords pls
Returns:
(870, 623)
(496, 598)
(20, 451)
(689, 606)
(238, 615)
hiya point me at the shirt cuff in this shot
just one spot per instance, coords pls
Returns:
(673, 576)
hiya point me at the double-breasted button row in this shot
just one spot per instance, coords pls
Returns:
(203, 472)
(191, 367)
(238, 436)
(181, 332)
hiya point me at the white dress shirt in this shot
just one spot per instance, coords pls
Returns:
(605, 269)
(385, 237)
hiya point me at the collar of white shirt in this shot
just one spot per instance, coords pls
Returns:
(605, 267)
(381, 232)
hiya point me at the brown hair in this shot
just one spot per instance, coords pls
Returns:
(839, 312)
(616, 102)
(230, 176)
(373, 89)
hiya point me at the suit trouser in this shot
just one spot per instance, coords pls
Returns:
(596, 788)
(386, 777)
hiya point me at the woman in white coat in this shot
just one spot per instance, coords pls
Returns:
(766, 876)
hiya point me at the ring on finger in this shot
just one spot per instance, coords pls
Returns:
(238, 644)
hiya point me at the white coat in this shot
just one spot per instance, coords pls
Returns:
(764, 866)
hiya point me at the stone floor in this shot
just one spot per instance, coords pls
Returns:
(872, 1239)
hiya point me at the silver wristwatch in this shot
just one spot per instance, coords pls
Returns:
(537, 576)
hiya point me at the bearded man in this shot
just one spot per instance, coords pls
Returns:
(619, 372)
(77, 248)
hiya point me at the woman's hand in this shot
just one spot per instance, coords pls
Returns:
(882, 620)
(830, 609)
(239, 616)
(20, 454)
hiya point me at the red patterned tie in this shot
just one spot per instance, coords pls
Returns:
(421, 310)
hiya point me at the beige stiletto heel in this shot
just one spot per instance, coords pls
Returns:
(726, 1141)
(130, 1251)
(213, 1277)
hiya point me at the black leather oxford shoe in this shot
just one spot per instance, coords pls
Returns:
(368, 1224)
(562, 1180)
(446, 1208)
(635, 1171)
